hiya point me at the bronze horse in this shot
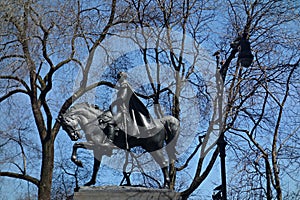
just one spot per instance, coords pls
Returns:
(88, 116)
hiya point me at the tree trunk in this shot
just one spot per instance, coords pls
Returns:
(268, 178)
(44, 190)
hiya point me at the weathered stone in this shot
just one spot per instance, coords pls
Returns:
(124, 192)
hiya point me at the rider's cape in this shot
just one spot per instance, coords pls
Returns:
(140, 118)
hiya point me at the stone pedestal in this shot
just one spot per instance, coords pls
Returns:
(124, 192)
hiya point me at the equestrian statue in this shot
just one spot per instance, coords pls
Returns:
(126, 124)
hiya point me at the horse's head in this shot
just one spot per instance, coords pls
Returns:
(69, 125)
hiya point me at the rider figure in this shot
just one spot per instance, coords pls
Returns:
(131, 115)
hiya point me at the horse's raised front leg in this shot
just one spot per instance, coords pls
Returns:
(77, 145)
(97, 162)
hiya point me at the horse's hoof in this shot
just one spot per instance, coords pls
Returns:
(126, 184)
(166, 186)
(76, 189)
(78, 163)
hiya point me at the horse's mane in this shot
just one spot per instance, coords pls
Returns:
(91, 107)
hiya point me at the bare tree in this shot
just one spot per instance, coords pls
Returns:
(39, 40)
(258, 97)
(175, 24)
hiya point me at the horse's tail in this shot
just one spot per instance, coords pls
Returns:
(171, 125)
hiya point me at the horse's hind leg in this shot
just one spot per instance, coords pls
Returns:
(126, 175)
(163, 163)
(165, 172)
(97, 162)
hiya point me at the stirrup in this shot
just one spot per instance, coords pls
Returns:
(108, 143)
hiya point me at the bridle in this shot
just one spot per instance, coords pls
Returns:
(74, 133)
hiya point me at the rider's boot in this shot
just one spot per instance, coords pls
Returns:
(110, 136)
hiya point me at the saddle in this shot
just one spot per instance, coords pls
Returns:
(107, 118)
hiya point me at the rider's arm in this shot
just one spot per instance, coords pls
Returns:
(122, 96)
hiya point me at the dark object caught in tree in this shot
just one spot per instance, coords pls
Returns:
(245, 56)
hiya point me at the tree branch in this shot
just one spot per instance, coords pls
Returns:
(96, 44)
(11, 56)
(16, 79)
(199, 179)
(12, 93)
(21, 176)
